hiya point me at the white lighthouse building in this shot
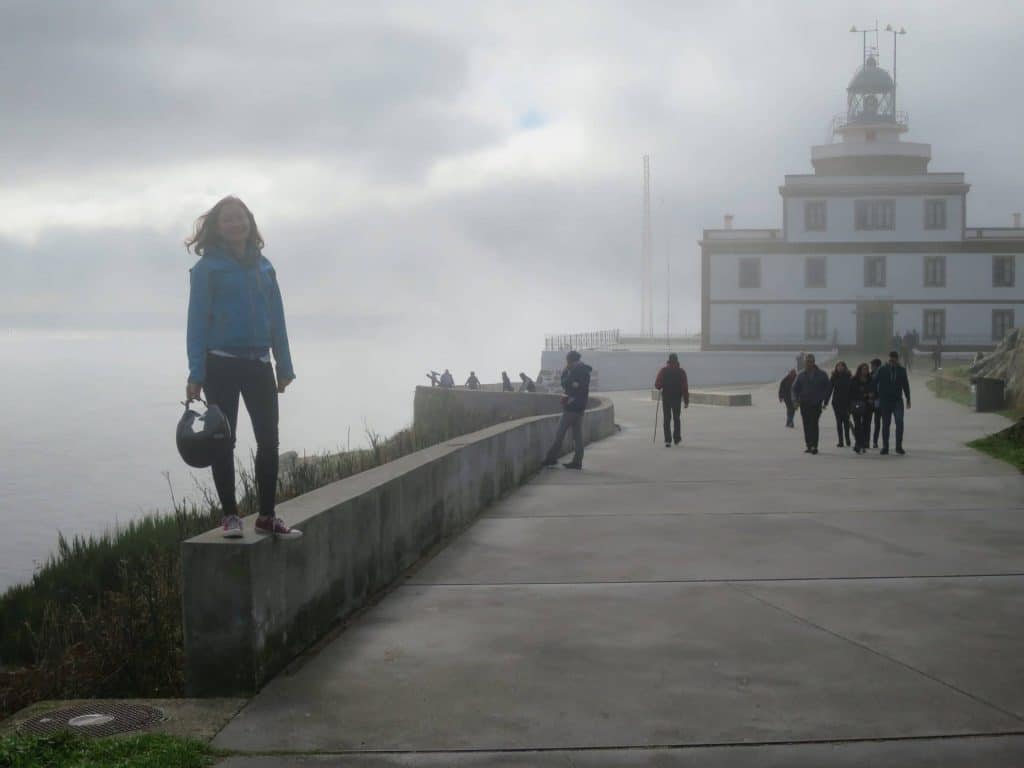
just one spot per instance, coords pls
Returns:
(871, 244)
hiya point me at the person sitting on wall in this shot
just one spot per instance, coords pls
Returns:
(434, 377)
(472, 382)
(447, 380)
(506, 383)
(527, 384)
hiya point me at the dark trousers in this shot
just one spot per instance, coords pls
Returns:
(790, 410)
(891, 412)
(226, 379)
(842, 423)
(671, 407)
(809, 415)
(570, 420)
(861, 427)
(878, 425)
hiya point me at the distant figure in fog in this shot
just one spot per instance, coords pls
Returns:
(937, 355)
(810, 391)
(472, 382)
(235, 321)
(862, 404)
(800, 360)
(526, 383)
(506, 383)
(675, 391)
(434, 377)
(447, 380)
(576, 386)
(876, 413)
(839, 394)
(786, 395)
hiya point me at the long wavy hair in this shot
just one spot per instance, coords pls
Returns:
(842, 363)
(863, 367)
(206, 232)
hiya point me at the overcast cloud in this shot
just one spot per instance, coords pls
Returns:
(432, 162)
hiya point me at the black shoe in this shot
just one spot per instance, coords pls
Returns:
(668, 444)
(678, 440)
(572, 465)
(807, 450)
(875, 446)
(549, 462)
(900, 451)
(814, 451)
(839, 445)
(884, 452)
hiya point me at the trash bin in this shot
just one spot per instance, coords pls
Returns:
(990, 394)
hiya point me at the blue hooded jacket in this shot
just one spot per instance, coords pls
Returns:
(235, 305)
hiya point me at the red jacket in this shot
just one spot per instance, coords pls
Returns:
(672, 383)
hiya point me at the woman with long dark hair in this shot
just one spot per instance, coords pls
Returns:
(235, 321)
(839, 392)
(862, 405)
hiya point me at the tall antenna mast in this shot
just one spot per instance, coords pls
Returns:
(647, 278)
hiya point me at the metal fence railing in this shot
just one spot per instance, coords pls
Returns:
(562, 342)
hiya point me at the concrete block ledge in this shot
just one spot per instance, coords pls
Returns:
(251, 605)
(713, 398)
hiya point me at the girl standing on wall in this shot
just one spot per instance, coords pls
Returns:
(235, 320)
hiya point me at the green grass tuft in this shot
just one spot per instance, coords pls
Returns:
(1007, 445)
(68, 750)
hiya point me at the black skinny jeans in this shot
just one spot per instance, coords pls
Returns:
(862, 427)
(842, 422)
(671, 410)
(810, 413)
(226, 379)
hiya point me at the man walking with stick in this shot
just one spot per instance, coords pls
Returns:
(675, 392)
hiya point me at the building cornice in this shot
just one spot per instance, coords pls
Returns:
(874, 189)
(713, 246)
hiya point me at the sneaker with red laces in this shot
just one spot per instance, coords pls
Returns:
(231, 527)
(275, 526)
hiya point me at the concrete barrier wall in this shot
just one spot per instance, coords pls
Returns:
(251, 605)
(440, 413)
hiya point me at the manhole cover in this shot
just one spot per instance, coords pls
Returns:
(97, 719)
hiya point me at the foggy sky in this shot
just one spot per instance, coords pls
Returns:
(443, 162)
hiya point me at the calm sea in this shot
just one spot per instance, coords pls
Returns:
(87, 419)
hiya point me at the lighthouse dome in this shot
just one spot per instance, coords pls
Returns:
(870, 78)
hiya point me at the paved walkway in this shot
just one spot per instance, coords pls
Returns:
(733, 602)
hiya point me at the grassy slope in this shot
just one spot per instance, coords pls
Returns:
(66, 750)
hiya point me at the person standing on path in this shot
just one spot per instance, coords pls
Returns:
(876, 413)
(506, 383)
(839, 394)
(862, 403)
(893, 386)
(235, 320)
(576, 385)
(786, 395)
(937, 355)
(675, 391)
(810, 391)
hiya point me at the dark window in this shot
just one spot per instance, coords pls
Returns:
(934, 214)
(815, 322)
(874, 271)
(815, 215)
(814, 272)
(750, 324)
(1002, 323)
(934, 271)
(875, 214)
(1002, 271)
(750, 273)
(935, 324)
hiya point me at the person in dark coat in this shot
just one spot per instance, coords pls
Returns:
(675, 392)
(472, 382)
(893, 387)
(526, 384)
(447, 380)
(576, 385)
(839, 394)
(506, 383)
(862, 404)
(810, 391)
(937, 355)
(876, 413)
(786, 395)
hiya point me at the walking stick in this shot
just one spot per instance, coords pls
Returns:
(654, 437)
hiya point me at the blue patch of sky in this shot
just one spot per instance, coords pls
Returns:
(531, 119)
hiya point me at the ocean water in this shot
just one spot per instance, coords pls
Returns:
(87, 419)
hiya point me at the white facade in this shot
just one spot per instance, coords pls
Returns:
(871, 244)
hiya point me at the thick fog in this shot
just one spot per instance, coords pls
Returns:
(471, 170)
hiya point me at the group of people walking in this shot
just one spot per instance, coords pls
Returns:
(873, 393)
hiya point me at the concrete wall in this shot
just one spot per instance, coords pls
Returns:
(628, 369)
(251, 605)
(443, 413)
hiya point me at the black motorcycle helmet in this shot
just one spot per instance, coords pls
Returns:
(202, 437)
